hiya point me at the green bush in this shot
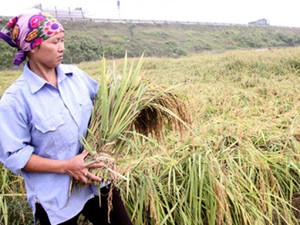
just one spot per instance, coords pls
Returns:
(6, 56)
(79, 48)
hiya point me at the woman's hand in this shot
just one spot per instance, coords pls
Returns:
(78, 169)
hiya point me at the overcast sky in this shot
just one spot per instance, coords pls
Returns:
(278, 12)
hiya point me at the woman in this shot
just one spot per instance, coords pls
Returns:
(43, 115)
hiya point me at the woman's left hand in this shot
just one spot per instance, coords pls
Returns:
(78, 169)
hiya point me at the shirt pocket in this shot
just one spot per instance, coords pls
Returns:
(47, 135)
(49, 124)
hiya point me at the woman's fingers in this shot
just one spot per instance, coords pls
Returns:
(83, 174)
(84, 153)
(86, 177)
(95, 165)
(93, 177)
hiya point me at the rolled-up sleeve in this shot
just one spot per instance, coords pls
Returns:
(14, 136)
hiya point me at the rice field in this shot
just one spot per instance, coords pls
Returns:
(239, 163)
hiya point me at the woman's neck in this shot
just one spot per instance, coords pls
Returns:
(48, 74)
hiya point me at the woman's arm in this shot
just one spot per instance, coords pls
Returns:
(74, 166)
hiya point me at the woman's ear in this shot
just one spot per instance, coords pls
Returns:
(29, 54)
(32, 51)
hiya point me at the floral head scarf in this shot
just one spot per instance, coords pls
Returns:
(29, 30)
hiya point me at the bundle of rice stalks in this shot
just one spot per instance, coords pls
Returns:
(127, 105)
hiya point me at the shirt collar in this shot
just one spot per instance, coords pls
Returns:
(35, 82)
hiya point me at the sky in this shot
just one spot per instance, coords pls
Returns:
(277, 12)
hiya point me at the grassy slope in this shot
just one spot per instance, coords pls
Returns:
(137, 38)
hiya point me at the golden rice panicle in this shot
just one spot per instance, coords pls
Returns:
(166, 109)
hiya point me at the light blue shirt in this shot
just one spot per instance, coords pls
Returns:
(39, 118)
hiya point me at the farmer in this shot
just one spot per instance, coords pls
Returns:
(43, 115)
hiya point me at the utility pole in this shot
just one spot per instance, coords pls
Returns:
(119, 10)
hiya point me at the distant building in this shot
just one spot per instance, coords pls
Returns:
(67, 14)
(260, 22)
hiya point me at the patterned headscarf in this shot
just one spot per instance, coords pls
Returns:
(28, 30)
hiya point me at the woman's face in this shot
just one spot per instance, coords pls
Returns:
(50, 53)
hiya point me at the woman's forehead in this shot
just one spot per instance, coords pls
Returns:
(59, 35)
